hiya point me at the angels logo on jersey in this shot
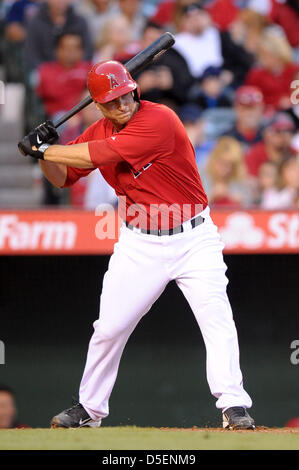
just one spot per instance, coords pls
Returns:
(113, 82)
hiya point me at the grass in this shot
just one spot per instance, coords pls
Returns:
(135, 438)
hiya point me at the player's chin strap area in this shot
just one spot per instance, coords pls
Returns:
(185, 226)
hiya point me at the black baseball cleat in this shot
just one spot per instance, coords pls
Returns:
(237, 417)
(74, 417)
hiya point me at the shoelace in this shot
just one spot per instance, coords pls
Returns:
(76, 405)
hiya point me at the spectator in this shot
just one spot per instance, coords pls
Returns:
(168, 13)
(249, 107)
(53, 18)
(237, 44)
(248, 28)
(20, 12)
(8, 410)
(212, 47)
(286, 195)
(275, 146)
(61, 83)
(115, 41)
(96, 13)
(131, 9)
(275, 72)
(212, 91)
(18, 16)
(194, 123)
(286, 14)
(267, 180)
(168, 79)
(224, 178)
(198, 34)
(223, 12)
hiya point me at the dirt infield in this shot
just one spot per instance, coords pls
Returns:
(262, 429)
(135, 438)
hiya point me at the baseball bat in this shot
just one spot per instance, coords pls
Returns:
(137, 63)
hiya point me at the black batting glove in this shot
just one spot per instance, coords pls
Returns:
(47, 132)
(33, 145)
(36, 143)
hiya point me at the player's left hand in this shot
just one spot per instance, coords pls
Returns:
(37, 142)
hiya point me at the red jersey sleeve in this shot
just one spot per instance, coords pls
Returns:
(74, 174)
(149, 135)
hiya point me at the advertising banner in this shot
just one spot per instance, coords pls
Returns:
(79, 232)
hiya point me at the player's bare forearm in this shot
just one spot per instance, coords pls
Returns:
(56, 173)
(76, 155)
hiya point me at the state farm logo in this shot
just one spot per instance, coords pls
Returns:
(240, 229)
(274, 231)
(46, 235)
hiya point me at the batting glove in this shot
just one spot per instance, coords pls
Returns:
(37, 142)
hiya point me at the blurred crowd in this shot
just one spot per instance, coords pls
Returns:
(232, 78)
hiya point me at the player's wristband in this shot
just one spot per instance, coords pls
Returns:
(25, 148)
(41, 150)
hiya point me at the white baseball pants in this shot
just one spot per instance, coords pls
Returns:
(139, 270)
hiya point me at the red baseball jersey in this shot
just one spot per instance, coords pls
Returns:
(157, 177)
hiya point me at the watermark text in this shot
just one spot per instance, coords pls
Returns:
(295, 354)
(2, 353)
(151, 217)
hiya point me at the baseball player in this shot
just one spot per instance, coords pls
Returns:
(143, 152)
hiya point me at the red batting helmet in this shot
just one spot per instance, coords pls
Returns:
(108, 80)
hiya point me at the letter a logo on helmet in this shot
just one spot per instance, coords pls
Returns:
(108, 80)
(113, 82)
